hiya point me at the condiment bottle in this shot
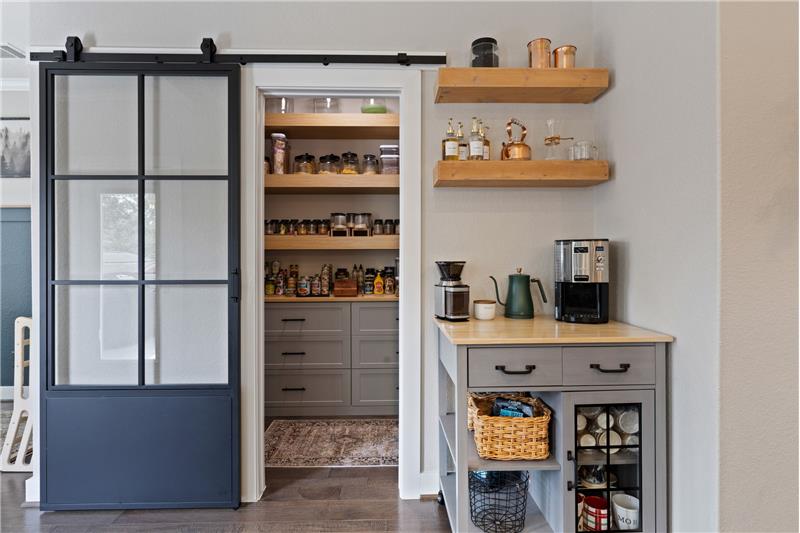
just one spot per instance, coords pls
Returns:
(487, 144)
(378, 283)
(360, 279)
(463, 148)
(450, 144)
(475, 142)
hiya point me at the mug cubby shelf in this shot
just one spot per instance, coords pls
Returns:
(324, 242)
(535, 173)
(334, 125)
(332, 183)
(520, 85)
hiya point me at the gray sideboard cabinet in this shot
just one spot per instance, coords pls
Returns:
(606, 386)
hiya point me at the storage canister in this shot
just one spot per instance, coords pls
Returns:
(280, 153)
(564, 56)
(305, 164)
(388, 227)
(484, 52)
(349, 163)
(329, 164)
(370, 164)
(390, 164)
(539, 53)
(377, 228)
(397, 226)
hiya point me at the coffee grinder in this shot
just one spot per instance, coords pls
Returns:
(451, 296)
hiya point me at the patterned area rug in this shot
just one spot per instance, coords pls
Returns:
(331, 442)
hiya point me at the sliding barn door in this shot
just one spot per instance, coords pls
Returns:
(140, 285)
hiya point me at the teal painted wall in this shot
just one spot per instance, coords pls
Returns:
(15, 282)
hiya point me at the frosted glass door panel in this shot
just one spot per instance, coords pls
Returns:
(96, 229)
(186, 125)
(189, 331)
(186, 229)
(96, 125)
(96, 339)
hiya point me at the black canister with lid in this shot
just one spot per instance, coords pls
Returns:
(484, 52)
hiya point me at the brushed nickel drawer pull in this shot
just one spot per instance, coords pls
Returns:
(293, 353)
(528, 370)
(286, 389)
(623, 367)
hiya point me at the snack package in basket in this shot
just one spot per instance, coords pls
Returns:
(507, 407)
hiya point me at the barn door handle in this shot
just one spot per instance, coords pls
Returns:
(623, 367)
(528, 370)
(286, 389)
(236, 285)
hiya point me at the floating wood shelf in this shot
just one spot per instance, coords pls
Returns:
(334, 125)
(521, 85)
(324, 242)
(332, 183)
(537, 173)
(318, 299)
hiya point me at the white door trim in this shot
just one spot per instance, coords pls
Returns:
(407, 83)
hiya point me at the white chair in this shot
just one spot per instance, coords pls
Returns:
(17, 451)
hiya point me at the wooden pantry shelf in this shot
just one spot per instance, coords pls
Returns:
(536, 173)
(334, 125)
(324, 242)
(318, 299)
(332, 183)
(521, 85)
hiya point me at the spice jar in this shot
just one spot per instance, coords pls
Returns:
(302, 227)
(313, 227)
(397, 226)
(351, 221)
(484, 52)
(305, 164)
(323, 227)
(329, 164)
(280, 153)
(349, 163)
(292, 230)
(377, 229)
(388, 227)
(283, 227)
(270, 227)
(370, 164)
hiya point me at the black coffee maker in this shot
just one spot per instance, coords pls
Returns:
(581, 276)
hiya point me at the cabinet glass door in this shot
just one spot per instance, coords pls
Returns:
(613, 440)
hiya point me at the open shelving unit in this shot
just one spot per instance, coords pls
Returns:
(324, 242)
(334, 125)
(520, 85)
(535, 173)
(320, 299)
(332, 183)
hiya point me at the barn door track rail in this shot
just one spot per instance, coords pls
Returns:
(73, 53)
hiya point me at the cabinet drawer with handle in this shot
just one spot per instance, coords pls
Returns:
(374, 318)
(307, 352)
(610, 365)
(376, 352)
(307, 319)
(307, 387)
(512, 367)
(372, 386)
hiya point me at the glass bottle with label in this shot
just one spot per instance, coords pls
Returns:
(487, 144)
(475, 141)
(450, 144)
(378, 287)
(463, 147)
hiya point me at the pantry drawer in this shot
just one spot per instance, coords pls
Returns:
(305, 352)
(374, 318)
(511, 367)
(375, 386)
(610, 365)
(376, 352)
(307, 319)
(307, 387)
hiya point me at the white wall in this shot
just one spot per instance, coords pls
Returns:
(659, 124)
(758, 267)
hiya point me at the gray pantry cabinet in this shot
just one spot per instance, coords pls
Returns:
(596, 379)
(331, 358)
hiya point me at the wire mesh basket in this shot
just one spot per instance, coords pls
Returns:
(497, 500)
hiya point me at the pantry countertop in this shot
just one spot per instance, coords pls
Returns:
(544, 330)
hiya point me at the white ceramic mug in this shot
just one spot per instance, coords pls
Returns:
(484, 309)
(626, 511)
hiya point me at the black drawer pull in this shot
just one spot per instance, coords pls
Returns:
(293, 353)
(300, 389)
(623, 367)
(293, 319)
(528, 370)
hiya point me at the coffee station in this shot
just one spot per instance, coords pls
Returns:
(550, 423)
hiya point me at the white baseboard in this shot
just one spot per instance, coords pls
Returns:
(429, 483)
(7, 392)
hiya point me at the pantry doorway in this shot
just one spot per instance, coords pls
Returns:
(404, 85)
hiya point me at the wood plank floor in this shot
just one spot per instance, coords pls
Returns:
(296, 499)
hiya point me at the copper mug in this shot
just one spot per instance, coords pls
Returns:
(539, 53)
(564, 56)
(516, 150)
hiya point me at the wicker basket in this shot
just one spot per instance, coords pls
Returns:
(472, 409)
(507, 438)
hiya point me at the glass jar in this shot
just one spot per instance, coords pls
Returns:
(388, 227)
(270, 227)
(326, 105)
(280, 153)
(362, 221)
(389, 149)
(377, 228)
(329, 164)
(293, 226)
(351, 220)
(305, 164)
(370, 164)
(313, 227)
(397, 226)
(484, 52)
(302, 227)
(373, 105)
(390, 164)
(349, 163)
(338, 221)
(283, 227)
(324, 227)
(280, 105)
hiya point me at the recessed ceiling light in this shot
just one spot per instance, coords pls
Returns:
(9, 51)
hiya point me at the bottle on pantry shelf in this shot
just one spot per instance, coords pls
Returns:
(369, 281)
(487, 144)
(450, 144)
(360, 279)
(475, 141)
(463, 147)
(354, 272)
(316, 286)
(378, 283)
(388, 282)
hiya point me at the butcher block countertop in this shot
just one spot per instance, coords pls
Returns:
(544, 330)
